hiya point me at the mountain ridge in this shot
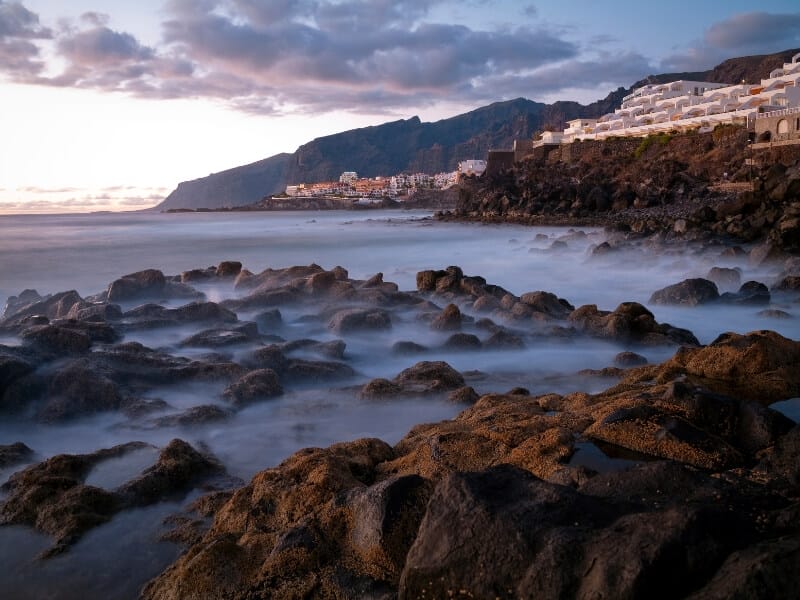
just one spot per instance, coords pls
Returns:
(412, 145)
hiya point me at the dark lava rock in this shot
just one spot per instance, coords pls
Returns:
(629, 359)
(519, 391)
(268, 357)
(774, 313)
(405, 348)
(380, 388)
(308, 371)
(229, 268)
(12, 368)
(95, 312)
(332, 349)
(254, 386)
(197, 415)
(448, 320)
(547, 303)
(354, 320)
(790, 283)
(178, 468)
(195, 275)
(556, 543)
(689, 292)
(463, 395)
(725, 277)
(462, 341)
(750, 293)
(217, 338)
(78, 390)
(52, 307)
(430, 376)
(100, 332)
(14, 454)
(503, 340)
(629, 322)
(142, 284)
(56, 340)
(269, 320)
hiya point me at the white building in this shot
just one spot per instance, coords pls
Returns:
(348, 177)
(683, 105)
(471, 167)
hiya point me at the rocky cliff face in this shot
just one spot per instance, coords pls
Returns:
(413, 146)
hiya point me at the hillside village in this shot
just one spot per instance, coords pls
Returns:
(399, 186)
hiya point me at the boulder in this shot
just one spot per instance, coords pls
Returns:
(430, 376)
(463, 395)
(724, 277)
(629, 359)
(56, 340)
(252, 387)
(269, 320)
(751, 293)
(462, 341)
(77, 390)
(629, 322)
(354, 320)
(142, 284)
(229, 268)
(448, 320)
(689, 292)
(309, 371)
(14, 454)
(548, 304)
(404, 348)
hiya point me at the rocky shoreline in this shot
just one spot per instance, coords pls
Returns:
(676, 480)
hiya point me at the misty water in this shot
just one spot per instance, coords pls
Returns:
(85, 253)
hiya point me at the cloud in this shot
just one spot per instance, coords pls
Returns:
(742, 34)
(19, 29)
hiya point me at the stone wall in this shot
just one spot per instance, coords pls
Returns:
(778, 128)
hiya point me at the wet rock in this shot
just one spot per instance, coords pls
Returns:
(555, 543)
(331, 349)
(689, 292)
(219, 338)
(198, 275)
(430, 376)
(462, 341)
(380, 388)
(548, 304)
(750, 293)
(519, 391)
(14, 454)
(178, 469)
(769, 570)
(51, 496)
(197, 415)
(724, 277)
(486, 304)
(95, 312)
(269, 320)
(12, 368)
(503, 340)
(78, 390)
(355, 320)
(254, 386)
(629, 322)
(307, 371)
(142, 284)
(229, 268)
(790, 283)
(96, 331)
(56, 340)
(760, 366)
(774, 313)
(149, 316)
(268, 357)
(463, 395)
(629, 359)
(136, 408)
(386, 518)
(448, 320)
(30, 304)
(783, 463)
(404, 348)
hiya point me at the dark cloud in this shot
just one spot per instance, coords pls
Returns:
(19, 29)
(741, 34)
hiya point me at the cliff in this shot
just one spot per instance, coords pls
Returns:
(413, 146)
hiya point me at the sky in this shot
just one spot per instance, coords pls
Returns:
(109, 104)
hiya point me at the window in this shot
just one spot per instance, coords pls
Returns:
(797, 124)
(783, 127)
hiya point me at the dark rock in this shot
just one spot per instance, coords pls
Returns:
(547, 303)
(790, 283)
(142, 284)
(218, 338)
(52, 307)
(380, 388)
(229, 268)
(354, 320)
(196, 275)
(519, 391)
(689, 292)
(774, 313)
(197, 415)
(407, 348)
(254, 386)
(179, 466)
(268, 357)
(503, 340)
(269, 320)
(307, 371)
(56, 340)
(96, 331)
(12, 368)
(629, 359)
(332, 349)
(95, 312)
(14, 454)
(428, 376)
(629, 322)
(462, 341)
(750, 293)
(463, 395)
(78, 390)
(448, 320)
